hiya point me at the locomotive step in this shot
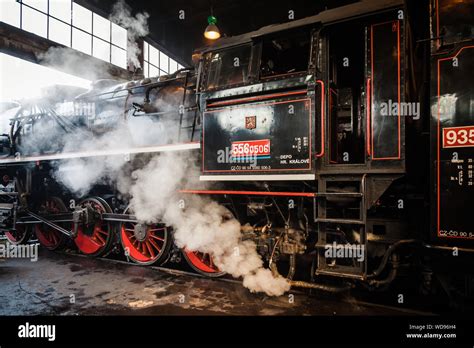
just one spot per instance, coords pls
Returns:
(342, 194)
(341, 221)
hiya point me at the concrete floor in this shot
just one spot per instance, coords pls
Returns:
(104, 287)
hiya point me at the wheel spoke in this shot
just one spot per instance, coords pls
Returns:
(152, 242)
(202, 257)
(156, 229)
(150, 249)
(54, 237)
(99, 238)
(100, 229)
(156, 237)
(211, 264)
(49, 235)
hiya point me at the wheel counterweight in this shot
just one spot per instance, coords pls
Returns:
(95, 238)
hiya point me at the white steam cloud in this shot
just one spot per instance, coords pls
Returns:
(71, 61)
(202, 225)
(136, 26)
(199, 225)
(81, 174)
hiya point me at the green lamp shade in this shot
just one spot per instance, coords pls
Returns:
(212, 31)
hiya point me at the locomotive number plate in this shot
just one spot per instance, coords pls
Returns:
(458, 137)
(251, 148)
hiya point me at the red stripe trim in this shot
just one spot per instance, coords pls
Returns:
(263, 97)
(323, 107)
(251, 105)
(369, 115)
(330, 113)
(250, 193)
(438, 141)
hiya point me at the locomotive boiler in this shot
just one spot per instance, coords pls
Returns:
(320, 136)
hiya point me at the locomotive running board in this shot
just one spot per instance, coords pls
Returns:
(272, 177)
(250, 193)
(135, 150)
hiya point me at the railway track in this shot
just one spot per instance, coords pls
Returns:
(174, 269)
(349, 299)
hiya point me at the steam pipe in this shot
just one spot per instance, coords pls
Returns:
(396, 245)
(391, 276)
(307, 285)
(447, 248)
(291, 272)
(303, 284)
(389, 252)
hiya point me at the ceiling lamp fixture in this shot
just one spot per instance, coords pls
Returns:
(212, 31)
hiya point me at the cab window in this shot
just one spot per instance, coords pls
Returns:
(228, 67)
(285, 53)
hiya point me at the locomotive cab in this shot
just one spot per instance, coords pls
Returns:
(314, 103)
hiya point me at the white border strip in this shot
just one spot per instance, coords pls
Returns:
(273, 177)
(135, 150)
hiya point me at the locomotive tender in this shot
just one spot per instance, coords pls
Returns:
(314, 133)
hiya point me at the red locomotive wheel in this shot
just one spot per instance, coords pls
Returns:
(202, 263)
(48, 236)
(20, 235)
(145, 244)
(96, 238)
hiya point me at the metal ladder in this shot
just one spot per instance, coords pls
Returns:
(191, 126)
(357, 270)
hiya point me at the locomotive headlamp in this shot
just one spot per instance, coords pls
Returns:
(212, 31)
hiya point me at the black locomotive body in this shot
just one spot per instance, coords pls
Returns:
(314, 133)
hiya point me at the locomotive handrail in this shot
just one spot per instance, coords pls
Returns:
(162, 113)
(151, 84)
(255, 98)
(323, 108)
(369, 115)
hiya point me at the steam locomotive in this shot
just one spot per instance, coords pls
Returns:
(321, 136)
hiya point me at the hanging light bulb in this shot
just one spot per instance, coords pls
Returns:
(212, 31)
